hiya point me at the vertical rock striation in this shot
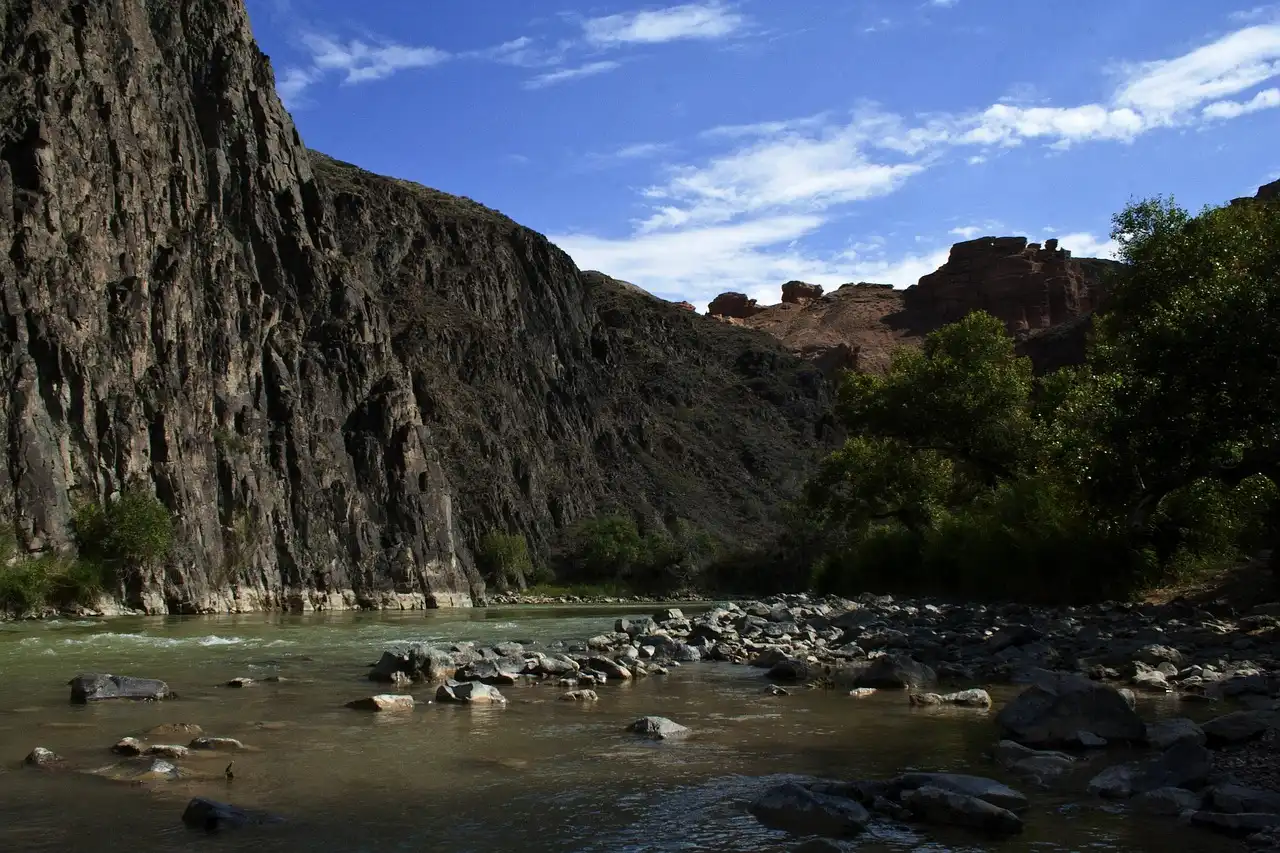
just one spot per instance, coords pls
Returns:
(336, 381)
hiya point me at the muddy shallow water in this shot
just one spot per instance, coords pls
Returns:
(538, 775)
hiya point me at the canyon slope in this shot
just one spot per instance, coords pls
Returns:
(337, 382)
(1042, 293)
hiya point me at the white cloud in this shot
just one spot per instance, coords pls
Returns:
(945, 4)
(1264, 100)
(292, 83)
(551, 78)
(740, 218)
(711, 20)
(359, 62)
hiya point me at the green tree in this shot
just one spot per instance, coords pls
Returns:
(504, 557)
(1191, 340)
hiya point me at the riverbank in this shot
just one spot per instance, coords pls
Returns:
(794, 672)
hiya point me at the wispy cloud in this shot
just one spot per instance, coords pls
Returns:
(711, 20)
(739, 218)
(563, 75)
(355, 61)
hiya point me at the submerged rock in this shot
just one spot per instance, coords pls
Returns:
(579, 696)
(794, 808)
(657, 728)
(101, 687)
(979, 787)
(220, 744)
(213, 816)
(936, 805)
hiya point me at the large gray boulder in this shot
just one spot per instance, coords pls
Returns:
(897, 671)
(795, 808)
(1186, 764)
(469, 693)
(97, 687)
(1056, 708)
(657, 728)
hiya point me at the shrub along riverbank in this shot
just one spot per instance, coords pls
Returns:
(964, 475)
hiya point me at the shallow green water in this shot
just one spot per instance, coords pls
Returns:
(538, 775)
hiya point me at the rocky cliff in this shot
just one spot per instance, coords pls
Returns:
(1032, 288)
(337, 382)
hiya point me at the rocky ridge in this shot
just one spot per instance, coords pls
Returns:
(1033, 288)
(336, 382)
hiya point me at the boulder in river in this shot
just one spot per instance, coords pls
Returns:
(1163, 734)
(381, 702)
(213, 816)
(1039, 765)
(1236, 825)
(469, 692)
(167, 750)
(975, 698)
(96, 687)
(789, 670)
(795, 808)
(1237, 799)
(218, 744)
(1057, 708)
(43, 758)
(1170, 802)
(1186, 764)
(980, 787)
(896, 671)
(128, 746)
(657, 728)
(935, 805)
(579, 696)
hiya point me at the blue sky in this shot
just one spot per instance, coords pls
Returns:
(737, 144)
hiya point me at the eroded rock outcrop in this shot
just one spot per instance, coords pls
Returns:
(736, 306)
(336, 381)
(1026, 285)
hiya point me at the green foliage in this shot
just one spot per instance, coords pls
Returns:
(965, 476)
(30, 584)
(135, 529)
(612, 549)
(505, 559)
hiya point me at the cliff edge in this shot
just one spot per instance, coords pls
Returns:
(337, 382)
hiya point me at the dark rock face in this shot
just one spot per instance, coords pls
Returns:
(337, 382)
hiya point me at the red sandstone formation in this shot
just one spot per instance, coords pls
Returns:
(798, 293)
(1025, 285)
(734, 305)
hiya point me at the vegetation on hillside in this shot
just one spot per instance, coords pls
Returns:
(964, 475)
(133, 530)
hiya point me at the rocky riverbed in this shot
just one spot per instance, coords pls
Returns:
(1069, 694)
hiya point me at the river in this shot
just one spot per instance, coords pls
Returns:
(536, 776)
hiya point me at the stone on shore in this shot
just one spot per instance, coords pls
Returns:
(1057, 708)
(102, 687)
(1163, 734)
(896, 671)
(794, 808)
(658, 728)
(1239, 727)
